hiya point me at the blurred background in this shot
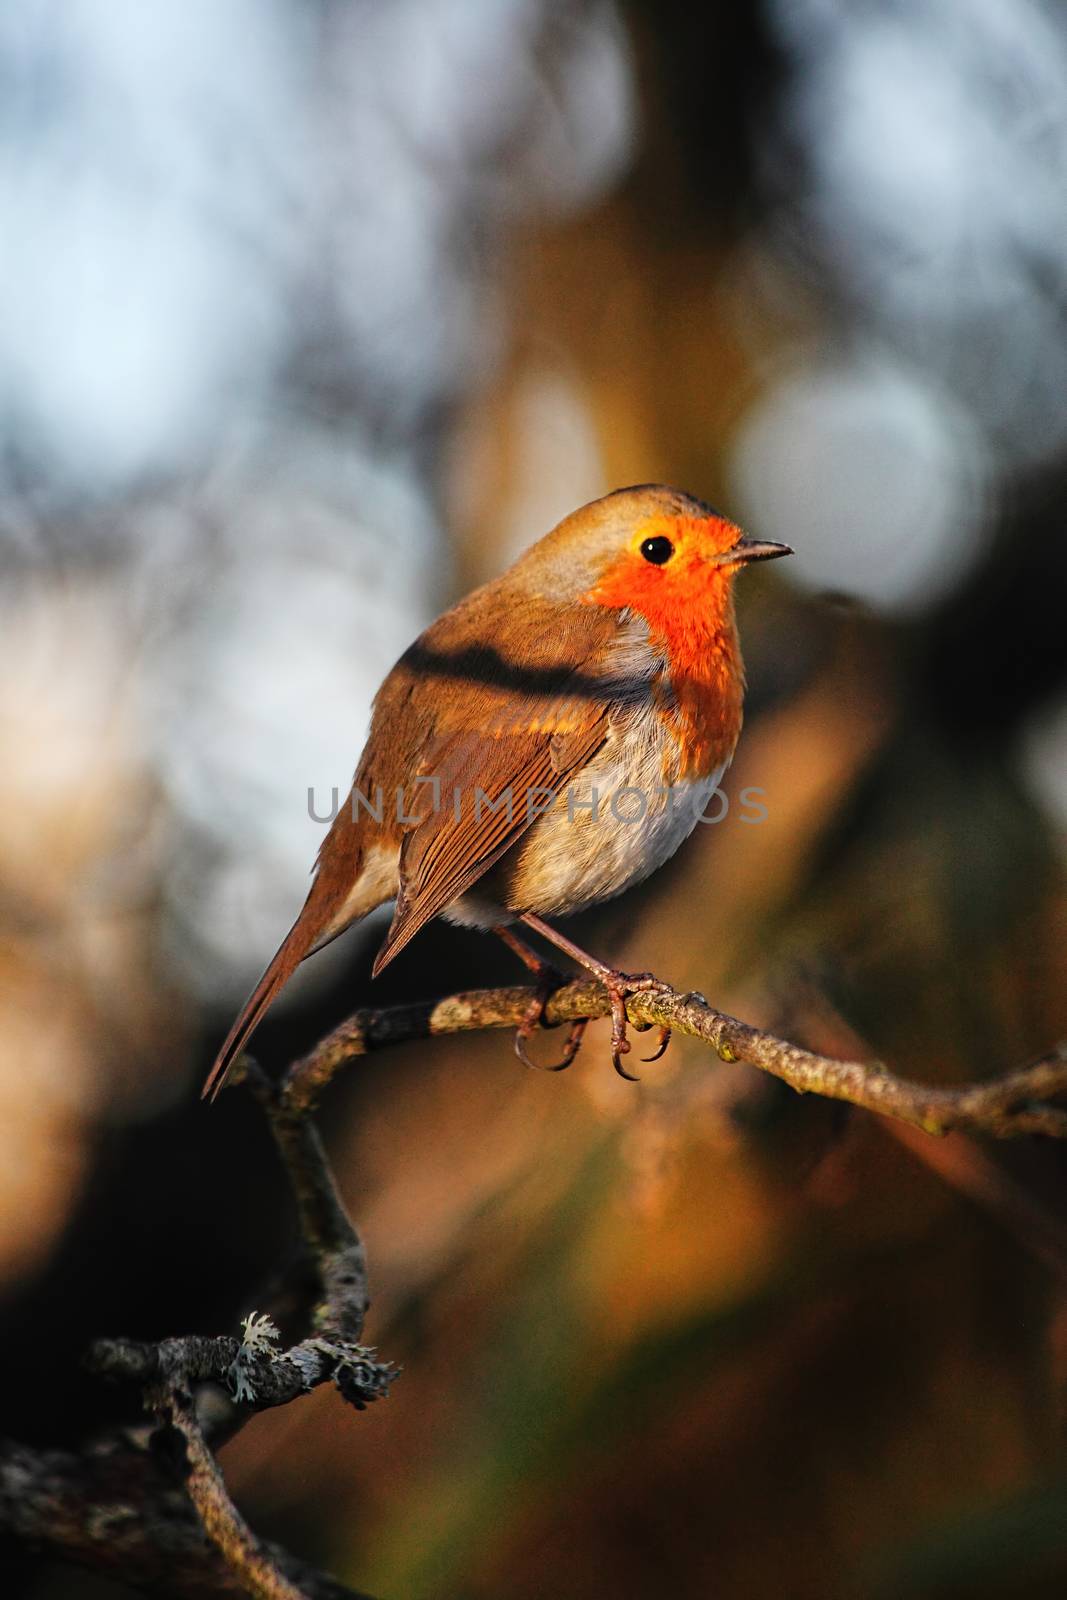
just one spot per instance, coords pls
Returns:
(312, 314)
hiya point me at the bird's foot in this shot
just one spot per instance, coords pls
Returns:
(549, 979)
(620, 986)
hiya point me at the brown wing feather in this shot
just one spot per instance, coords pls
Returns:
(441, 857)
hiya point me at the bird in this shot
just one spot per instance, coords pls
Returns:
(548, 742)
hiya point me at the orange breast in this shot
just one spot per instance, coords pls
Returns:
(702, 703)
(690, 615)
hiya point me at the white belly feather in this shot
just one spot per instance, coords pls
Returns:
(570, 858)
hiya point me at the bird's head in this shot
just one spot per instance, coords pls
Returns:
(652, 550)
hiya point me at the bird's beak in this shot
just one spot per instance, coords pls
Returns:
(747, 550)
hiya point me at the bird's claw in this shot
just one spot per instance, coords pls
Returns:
(548, 981)
(620, 985)
(620, 1044)
(573, 1045)
(570, 1049)
(660, 1050)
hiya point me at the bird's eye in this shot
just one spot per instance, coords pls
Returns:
(657, 550)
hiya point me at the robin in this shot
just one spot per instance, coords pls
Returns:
(545, 744)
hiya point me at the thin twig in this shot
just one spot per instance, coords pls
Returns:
(325, 1226)
(224, 1525)
(1018, 1102)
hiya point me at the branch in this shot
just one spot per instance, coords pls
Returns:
(254, 1376)
(1019, 1102)
(327, 1231)
(120, 1509)
(151, 1506)
(252, 1564)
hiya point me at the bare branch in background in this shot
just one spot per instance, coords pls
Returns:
(120, 1509)
(149, 1505)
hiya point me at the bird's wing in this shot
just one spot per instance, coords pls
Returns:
(491, 790)
(505, 755)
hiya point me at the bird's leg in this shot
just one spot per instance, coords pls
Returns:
(549, 979)
(526, 953)
(619, 986)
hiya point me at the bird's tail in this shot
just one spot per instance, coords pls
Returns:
(294, 947)
(339, 895)
(315, 927)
